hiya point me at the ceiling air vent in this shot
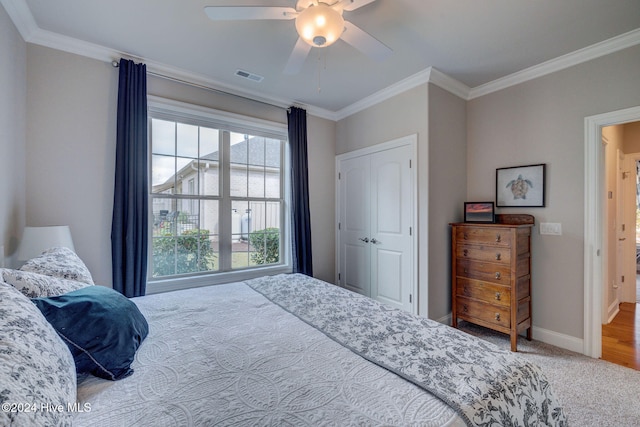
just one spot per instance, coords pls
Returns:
(248, 75)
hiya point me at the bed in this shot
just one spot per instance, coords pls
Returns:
(293, 350)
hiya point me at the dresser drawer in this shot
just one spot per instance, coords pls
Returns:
(488, 292)
(485, 271)
(499, 254)
(493, 236)
(493, 314)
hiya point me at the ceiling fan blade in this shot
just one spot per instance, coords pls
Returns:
(350, 5)
(237, 13)
(365, 42)
(303, 4)
(298, 56)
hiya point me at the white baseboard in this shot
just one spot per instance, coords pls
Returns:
(446, 319)
(546, 336)
(613, 310)
(559, 340)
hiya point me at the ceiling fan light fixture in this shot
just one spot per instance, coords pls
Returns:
(320, 25)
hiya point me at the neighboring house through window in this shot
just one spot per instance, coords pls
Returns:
(218, 193)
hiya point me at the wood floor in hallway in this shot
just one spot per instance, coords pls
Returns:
(621, 337)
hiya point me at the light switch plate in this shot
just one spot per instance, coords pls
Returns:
(551, 228)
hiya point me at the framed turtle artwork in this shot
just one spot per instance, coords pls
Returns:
(520, 186)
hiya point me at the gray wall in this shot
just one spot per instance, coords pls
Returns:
(439, 120)
(71, 110)
(13, 112)
(71, 106)
(447, 190)
(321, 153)
(542, 121)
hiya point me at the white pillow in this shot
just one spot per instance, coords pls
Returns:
(34, 285)
(36, 366)
(59, 262)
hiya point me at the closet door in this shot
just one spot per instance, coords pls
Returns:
(391, 240)
(376, 214)
(355, 270)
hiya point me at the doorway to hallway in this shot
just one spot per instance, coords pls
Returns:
(595, 249)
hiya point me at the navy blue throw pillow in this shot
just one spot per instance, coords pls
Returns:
(102, 328)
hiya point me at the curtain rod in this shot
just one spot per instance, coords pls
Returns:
(116, 64)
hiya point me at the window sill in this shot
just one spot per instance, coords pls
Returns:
(167, 285)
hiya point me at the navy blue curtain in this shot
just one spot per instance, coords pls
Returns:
(300, 218)
(129, 230)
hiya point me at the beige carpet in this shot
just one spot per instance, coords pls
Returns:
(593, 392)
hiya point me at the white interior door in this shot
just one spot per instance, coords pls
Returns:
(629, 193)
(355, 272)
(619, 226)
(376, 247)
(625, 230)
(391, 227)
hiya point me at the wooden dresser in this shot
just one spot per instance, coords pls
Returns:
(491, 274)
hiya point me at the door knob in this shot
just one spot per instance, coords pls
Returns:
(375, 242)
(364, 239)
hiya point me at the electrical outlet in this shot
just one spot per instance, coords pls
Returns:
(551, 228)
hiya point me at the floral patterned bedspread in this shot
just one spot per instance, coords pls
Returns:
(486, 385)
(225, 355)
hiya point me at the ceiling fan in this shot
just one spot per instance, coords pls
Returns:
(319, 24)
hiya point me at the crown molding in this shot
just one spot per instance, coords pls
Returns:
(22, 18)
(449, 84)
(428, 75)
(69, 44)
(199, 80)
(580, 56)
(20, 14)
(410, 82)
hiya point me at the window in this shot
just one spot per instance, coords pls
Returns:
(217, 195)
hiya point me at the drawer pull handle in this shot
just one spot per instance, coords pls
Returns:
(498, 317)
(498, 238)
(498, 296)
(498, 275)
(498, 256)
(465, 308)
(466, 271)
(465, 236)
(465, 252)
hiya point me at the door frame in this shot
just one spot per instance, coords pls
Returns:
(595, 253)
(412, 141)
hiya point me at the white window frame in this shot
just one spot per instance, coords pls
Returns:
(163, 108)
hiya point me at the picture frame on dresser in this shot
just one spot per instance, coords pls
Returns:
(521, 186)
(479, 212)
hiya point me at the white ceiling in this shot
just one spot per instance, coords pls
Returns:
(473, 41)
